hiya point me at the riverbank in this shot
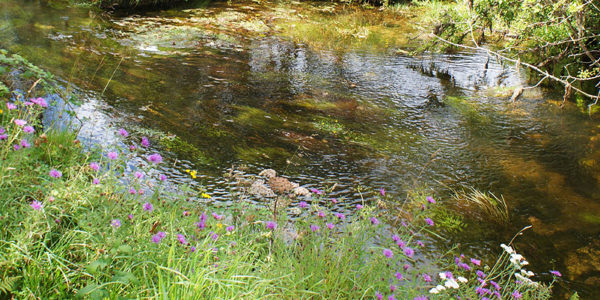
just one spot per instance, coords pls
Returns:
(76, 222)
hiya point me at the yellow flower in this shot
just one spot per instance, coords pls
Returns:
(193, 174)
(219, 225)
(205, 195)
(187, 171)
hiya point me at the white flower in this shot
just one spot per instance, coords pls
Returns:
(434, 291)
(440, 287)
(508, 249)
(524, 263)
(462, 279)
(442, 275)
(451, 283)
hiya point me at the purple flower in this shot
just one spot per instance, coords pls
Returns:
(391, 297)
(28, 129)
(429, 221)
(396, 238)
(409, 252)
(230, 228)
(271, 225)
(516, 295)
(214, 236)
(216, 216)
(464, 266)
(316, 191)
(480, 274)
(398, 275)
(321, 214)
(330, 225)
(3, 137)
(2, 130)
(556, 273)
(427, 278)
(139, 175)
(162, 177)
(420, 244)
(132, 191)
(25, 143)
(203, 217)
(382, 191)
(158, 237)
(39, 101)
(10, 106)
(406, 267)
(94, 166)
(145, 142)
(131, 147)
(36, 205)
(95, 181)
(148, 206)
(430, 200)
(116, 223)
(112, 155)
(374, 221)
(388, 253)
(181, 239)
(494, 284)
(340, 216)
(358, 206)
(201, 224)
(155, 158)
(302, 204)
(55, 173)
(334, 201)
(17, 147)
(130, 217)
(314, 228)
(421, 298)
(123, 132)
(162, 234)
(20, 122)
(392, 288)
(378, 295)
(193, 249)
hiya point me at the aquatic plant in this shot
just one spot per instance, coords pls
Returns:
(492, 208)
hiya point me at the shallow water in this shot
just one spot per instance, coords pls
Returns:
(235, 92)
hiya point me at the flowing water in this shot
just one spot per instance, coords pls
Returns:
(234, 89)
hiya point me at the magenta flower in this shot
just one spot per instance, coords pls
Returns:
(10, 106)
(374, 221)
(321, 214)
(145, 142)
(55, 173)
(316, 191)
(392, 288)
(216, 216)
(271, 225)
(158, 237)
(398, 275)
(27, 103)
(201, 224)
(464, 266)
(181, 239)
(131, 147)
(396, 238)
(401, 244)
(130, 217)
(112, 155)
(155, 158)
(516, 295)
(25, 143)
(420, 244)
(330, 225)
(20, 122)
(116, 223)
(314, 228)
(162, 177)
(421, 298)
(139, 175)
(430, 200)
(2, 130)
(427, 278)
(378, 295)
(132, 191)
(28, 129)
(94, 166)
(203, 217)
(36, 205)
(214, 236)
(340, 216)
(123, 132)
(556, 273)
(382, 192)
(95, 181)
(391, 297)
(3, 137)
(409, 251)
(17, 147)
(480, 274)
(495, 285)
(358, 206)
(230, 228)
(476, 262)
(39, 101)
(148, 206)
(302, 204)
(388, 253)
(334, 201)
(186, 213)
(429, 221)
(406, 267)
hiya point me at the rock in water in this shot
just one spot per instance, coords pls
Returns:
(268, 173)
(280, 185)
(260, 189)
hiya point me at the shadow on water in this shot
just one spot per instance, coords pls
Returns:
(221, 85)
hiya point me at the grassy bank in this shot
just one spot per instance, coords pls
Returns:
(84, 222)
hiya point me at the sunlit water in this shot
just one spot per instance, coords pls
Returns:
(366, 119)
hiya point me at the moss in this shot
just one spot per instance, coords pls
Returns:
(254, 154)
(179, 146)
(467, 108)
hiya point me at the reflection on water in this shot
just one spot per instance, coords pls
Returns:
(233, 93)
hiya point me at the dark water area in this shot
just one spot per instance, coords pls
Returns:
(235, 92)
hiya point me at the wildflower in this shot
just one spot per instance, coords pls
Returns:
(158, 237)
(401, 244)
(516, 295)
(392, 288)
(217, 216)
(145, 142)
(314, 228)
(17, 147)
(130, 217)
(193, 249)
(131, 147)
(28, 129)
(451, 283)
(155, 158)
(409, 252)
(378, 295)
(330, 225)
(55, 173)
(214, 236)
(508, 249)
(480, 274)
(359, 207)
(302, 204)
(230, 228)
(3, 137)
(427, 278)
(25, 144)
(556, 273)
(271, 225)
(462, 279)
(116, 223)
(430, 200)
(420, 298)
(316, 191)
(51, 199)
(321, 214)
(162, 177)
(36, 205)
(391, 297)
(398, 275)
(437, 289)
(95, 181)
(205, 195)
(148, 206)
(334, 201)
(382, 192)
(123, 132)
(406, 267)
(10, 106)
(464, 266)
(429, 221)
(201, 224)
(132, 191)
(340, 216)
(20, 122)
(94, 166)
(27, 103)
(203, 217)
(186, 213)
(39, 101)
(139, 175)
(2, 130)
(181, 239)
(476, 262)
(494, 284)
(374, 221)
(442, 275)
(420, 244)
(112, 155)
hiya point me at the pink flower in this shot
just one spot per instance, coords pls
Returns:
(155, 158)
(321, 214)
(28, 129)
(409, 251)
(302, 204)
(116, 223)
(132, 191)
(382, 191)
(429, 221)
(314, 228)
(271, 225)
(217, 216)
(556, 273)
(430, 200)
(388, 253)
(358, 206)
(55, 173)
(316, 191)
(340, 216)
(162, 177)
(374, 221)
(138, 175)
(20, 122)
(330, 225)
(476, 262)
(181, 239)
(398, 275)
(145, 142)
(96, 181)
(25, 143)
(516, 295)
(39, 101)
(112, 155)
(148, 206)
(427, 278)
(230, 228)
(131, 147)
(123, 132)
(36, 205)
(10, 106)
(94, 166)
